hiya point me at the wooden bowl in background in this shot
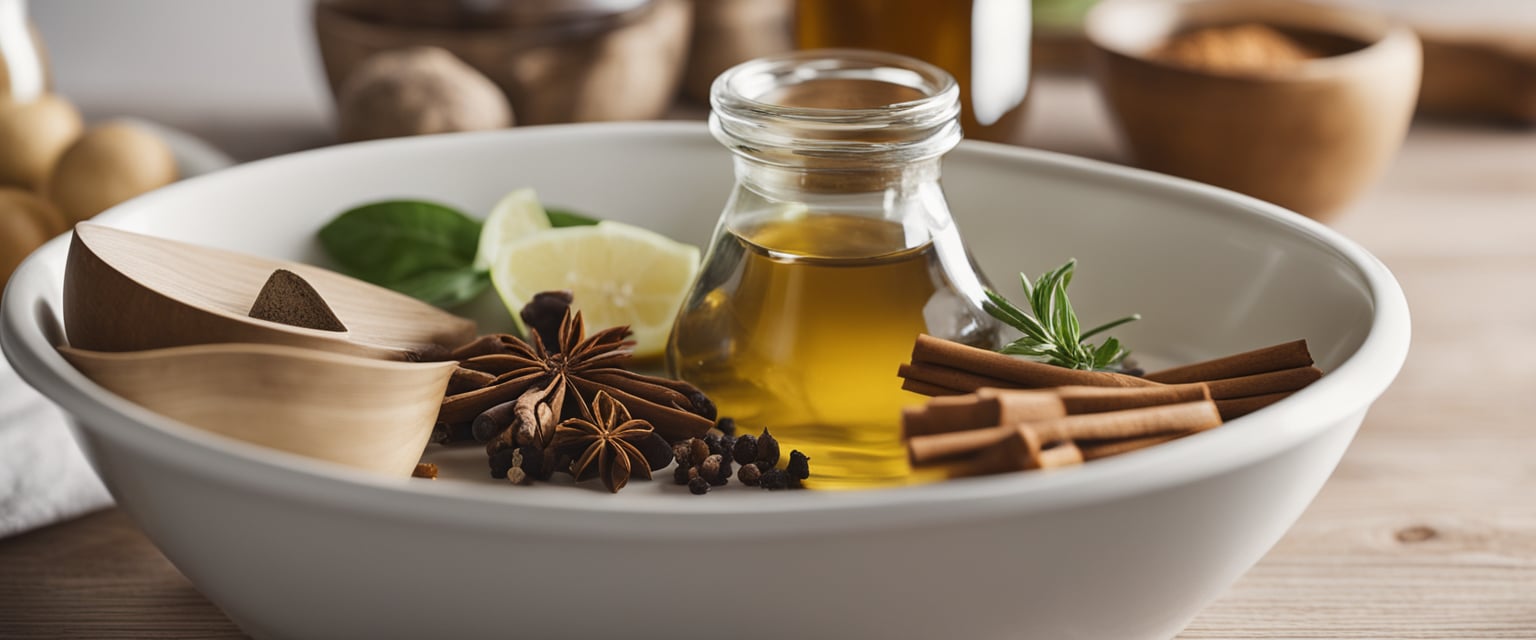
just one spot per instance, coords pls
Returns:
(622, 66)
(1309, 137)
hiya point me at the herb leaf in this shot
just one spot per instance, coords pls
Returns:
(422, 249)
(445, 287)
(1052, 333)
(567, 218)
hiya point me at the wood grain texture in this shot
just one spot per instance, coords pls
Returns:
(1427, 529)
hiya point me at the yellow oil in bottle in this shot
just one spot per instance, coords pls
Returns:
(799, 329)
(983, 43)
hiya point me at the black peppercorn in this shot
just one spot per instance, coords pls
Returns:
(724, 476)
(726, 426)
(745, 450)
(774, 480)
(702, 405)
(698, 486)
(713, 442)
(709, 470)
(767, 451)
(681, 475)
(799, 465)
(682, 451)
(749, 474)
(698, 451)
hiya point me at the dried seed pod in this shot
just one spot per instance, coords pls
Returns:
(767, 451)
(682, 474)
(709, 470)
(518, 477)
(491, 422)
(749, 474)
(745, 450)
(530, 460)
(698, 486)
(726, 426)
(799, 466)
(501, 462)
(448, 434)
(698, 452)
(774, 480)
(544, 313)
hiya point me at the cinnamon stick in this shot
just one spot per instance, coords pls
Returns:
(1062, 454)
(928, 389)
(1022, 450)
(1017, 372)
(1263, 383)
(1238, 407)
(949, 377)
(985, 408)
(1079, 400)
(1180, 419)
(1290, 355)
(1132, 423)
(1093, 450)
(936, 448)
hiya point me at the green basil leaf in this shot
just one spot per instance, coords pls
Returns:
(567, 218)
(391, 241)
(445, 287)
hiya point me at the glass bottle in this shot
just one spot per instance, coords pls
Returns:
(835, 250)
(984, 43)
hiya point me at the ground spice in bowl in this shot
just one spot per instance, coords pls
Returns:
(1240, 48)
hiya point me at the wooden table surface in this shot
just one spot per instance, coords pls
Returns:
(1427, 529)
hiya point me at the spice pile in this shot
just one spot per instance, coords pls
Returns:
(1235, 48)
(563, 402)
(706, 462)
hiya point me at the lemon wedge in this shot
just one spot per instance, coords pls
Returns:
(516, 216)
(620, 275)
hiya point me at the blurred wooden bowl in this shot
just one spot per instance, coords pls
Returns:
(367, 414)
(1309, 137)
(624, 66)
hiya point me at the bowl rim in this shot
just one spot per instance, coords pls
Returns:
(1341, 396)
(1392, 38)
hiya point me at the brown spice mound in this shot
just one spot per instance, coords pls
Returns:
(288, 299)
(1243, 47)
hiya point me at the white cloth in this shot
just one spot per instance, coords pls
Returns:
(44, 477)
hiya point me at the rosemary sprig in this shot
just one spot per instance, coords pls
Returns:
(1052, 334)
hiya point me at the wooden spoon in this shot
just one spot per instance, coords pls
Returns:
(125, 291)
(360, 412)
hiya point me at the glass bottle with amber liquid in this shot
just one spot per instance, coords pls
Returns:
(835, 250)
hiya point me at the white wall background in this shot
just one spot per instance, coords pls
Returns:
(244, 73)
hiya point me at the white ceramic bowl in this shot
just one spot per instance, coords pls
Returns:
(1127, 547)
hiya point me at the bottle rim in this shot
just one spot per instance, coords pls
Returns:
(899, 132)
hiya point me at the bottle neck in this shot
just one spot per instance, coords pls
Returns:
(805, 184)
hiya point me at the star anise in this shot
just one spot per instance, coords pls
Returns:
(610, 444)
(565, 380)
